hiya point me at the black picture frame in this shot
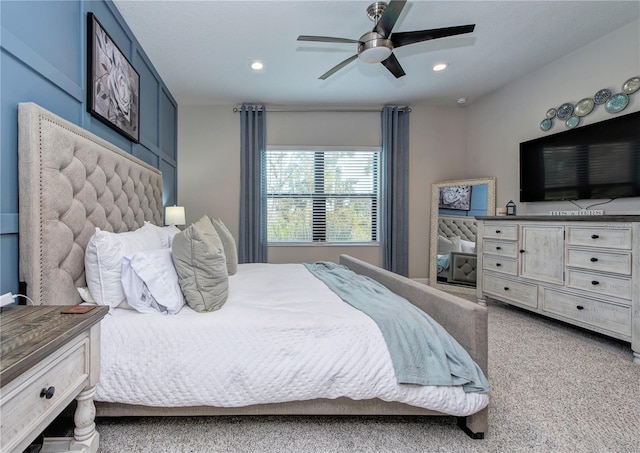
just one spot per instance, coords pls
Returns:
(455, 197)
(113, 84)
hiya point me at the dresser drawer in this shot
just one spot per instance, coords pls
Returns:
(500, 248)
(600, 284)
(503, 288)
(603, 315)
(500, 230)
(497, 264)
(612, 237)
(598, 260)
(24, 410)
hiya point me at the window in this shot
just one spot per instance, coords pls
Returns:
(322, 195)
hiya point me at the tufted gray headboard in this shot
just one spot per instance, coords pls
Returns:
(71, 181)
(464, 227)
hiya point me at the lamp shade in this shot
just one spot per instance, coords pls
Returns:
(174, 215)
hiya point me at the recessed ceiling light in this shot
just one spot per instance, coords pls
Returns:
(440, 66)
(256, 65)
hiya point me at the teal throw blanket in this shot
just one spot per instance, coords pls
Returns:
(421, 350)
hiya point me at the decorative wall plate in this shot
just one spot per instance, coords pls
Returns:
(584, 107)
(631, 86)
(546, 124)
(573, 121)
(565, 111)
(551, 113)
(617, 103)
(602, 96)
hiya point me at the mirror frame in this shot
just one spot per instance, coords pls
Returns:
(435, 194)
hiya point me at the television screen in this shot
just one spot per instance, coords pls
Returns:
(600, 160)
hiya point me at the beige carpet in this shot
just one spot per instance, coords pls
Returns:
(555, 388)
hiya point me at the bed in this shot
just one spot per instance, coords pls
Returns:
(72, 182)
(456, 256)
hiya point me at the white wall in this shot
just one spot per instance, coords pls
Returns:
(209, 170)
(512, 114)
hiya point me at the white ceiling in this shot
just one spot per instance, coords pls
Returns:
(202, 49)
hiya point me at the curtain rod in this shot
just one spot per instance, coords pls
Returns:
(312, 110)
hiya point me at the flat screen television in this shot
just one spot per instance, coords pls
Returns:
(600, 160)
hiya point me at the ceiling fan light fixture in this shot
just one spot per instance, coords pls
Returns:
(372, 48)
(257, 65)
(440, 67)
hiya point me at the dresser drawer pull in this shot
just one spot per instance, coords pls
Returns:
(594, 236)
(506, 288)
(498, 248)
(521, 250)
(579, 307)
(47, 393)
(498, 231)
(595, 282)
(498, 264)
(593, 260)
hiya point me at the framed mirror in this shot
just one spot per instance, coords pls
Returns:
(452, 251)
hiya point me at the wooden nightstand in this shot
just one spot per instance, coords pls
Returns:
(47, 359)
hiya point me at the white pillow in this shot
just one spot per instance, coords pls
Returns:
(103, 257)
(150, 282)
(165, 233)
(467, 246)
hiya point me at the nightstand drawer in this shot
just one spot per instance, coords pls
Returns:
(499, 230)
(616, 238)
(23, 408)
(603, 315)
(598, 260)
(601, 284)
(502, 265)
(518, 292)
(500, 248)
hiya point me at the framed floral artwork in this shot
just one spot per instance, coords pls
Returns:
(113, 85)
(455, 197)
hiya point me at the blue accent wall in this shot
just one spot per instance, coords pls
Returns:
(44, 60)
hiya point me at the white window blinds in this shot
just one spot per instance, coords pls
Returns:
(322, 195)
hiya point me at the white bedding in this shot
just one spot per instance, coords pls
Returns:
(282, 335)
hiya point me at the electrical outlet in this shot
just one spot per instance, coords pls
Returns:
(6, 299)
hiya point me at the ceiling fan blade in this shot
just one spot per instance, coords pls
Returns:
(393, 65)
(338, 67)
(411, 37)
(326, 39)
(389, 17)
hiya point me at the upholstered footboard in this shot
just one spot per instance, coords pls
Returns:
(466, 321)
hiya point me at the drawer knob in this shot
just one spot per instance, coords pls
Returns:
(579, 307)
(506, 288)
(521, 250)
(498, 231)
(594, 236)
(47, 393)
(498, 248)
(595, 282)
(593, 260)
(498, 264)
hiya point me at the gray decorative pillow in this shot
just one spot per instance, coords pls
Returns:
(198, 256)
(229, 244)
(446, 245)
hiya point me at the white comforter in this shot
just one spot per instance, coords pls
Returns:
(282, 335)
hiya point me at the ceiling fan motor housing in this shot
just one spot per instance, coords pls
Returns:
(374, 48)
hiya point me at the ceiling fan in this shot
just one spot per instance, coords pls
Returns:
(377, 46)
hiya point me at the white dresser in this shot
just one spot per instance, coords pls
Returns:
(582, 270)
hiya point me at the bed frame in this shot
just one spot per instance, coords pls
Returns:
(72, 181)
